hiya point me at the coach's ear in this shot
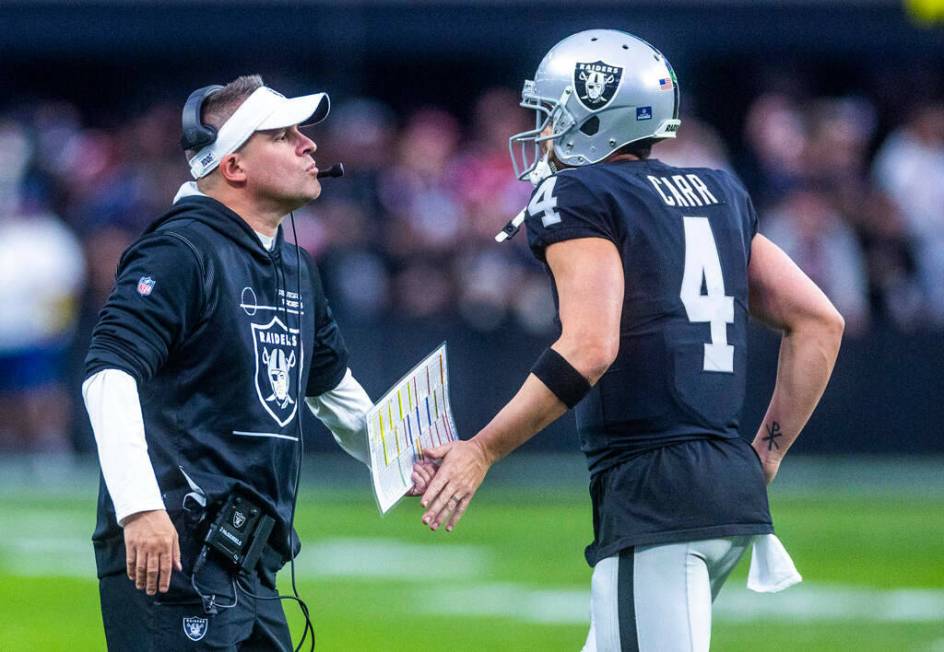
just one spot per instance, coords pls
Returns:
(232, 170)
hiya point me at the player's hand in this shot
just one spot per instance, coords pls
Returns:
(768, 463)
(151, 547)
(423, 472)
(770, 470)
(462, 468)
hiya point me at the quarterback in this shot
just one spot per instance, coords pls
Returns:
(655, 271)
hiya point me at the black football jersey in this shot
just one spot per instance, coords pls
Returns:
(684, 237)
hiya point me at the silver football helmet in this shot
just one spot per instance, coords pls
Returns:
(593, 93)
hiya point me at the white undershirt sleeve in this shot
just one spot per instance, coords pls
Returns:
(343, 410)
(114, 408)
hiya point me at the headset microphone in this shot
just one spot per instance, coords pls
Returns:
(336, 170)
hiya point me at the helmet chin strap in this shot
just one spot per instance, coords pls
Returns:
(544, 168)
(510, 229)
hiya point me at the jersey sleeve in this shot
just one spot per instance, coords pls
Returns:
(751, 215)
(563, 208)
(156, 302)
(330, 360)
(743, 199)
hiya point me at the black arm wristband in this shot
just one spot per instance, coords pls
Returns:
(561, 378)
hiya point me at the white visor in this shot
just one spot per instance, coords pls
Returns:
(264, 109)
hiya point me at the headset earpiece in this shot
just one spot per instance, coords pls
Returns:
(196, 134)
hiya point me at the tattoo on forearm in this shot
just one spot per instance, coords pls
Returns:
(773, 431)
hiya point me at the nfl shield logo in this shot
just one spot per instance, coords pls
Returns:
(195, 628)
(596, 83)
(278, 351)
(145, 285)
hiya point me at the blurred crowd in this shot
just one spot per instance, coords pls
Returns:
(407, 233)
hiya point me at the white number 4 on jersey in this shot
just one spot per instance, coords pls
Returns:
(702, 262)
(544, 203)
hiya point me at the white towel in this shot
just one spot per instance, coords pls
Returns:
(772, 569)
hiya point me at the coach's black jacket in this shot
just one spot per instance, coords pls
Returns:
(209, 324)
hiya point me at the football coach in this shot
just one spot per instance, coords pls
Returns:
(216, 330)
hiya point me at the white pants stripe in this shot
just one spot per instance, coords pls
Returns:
(658, 598)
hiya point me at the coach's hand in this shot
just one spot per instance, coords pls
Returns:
(423, 473)
(151, 546)
(462, 468)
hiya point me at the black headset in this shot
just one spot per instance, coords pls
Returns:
(196, 134)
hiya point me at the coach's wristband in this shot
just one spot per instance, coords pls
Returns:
(561, 378)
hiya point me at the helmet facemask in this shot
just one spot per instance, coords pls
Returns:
(527, 147)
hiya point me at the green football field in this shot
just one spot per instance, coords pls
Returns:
(512, 576)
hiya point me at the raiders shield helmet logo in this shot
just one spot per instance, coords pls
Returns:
(196, 628)
(276, 348)
(596, 83)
